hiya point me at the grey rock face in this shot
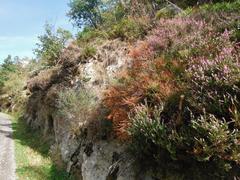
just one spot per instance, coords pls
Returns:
(92, 159)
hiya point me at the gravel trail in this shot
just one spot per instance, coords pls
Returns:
(7, 159)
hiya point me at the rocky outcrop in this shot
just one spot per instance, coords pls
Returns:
(90, 157)
(103, 160)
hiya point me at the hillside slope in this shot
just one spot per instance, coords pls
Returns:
(151, 92)
(90, 77)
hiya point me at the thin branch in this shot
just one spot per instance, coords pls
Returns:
(174, 5)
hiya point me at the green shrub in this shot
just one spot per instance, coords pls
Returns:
(76, 106)
(187, 3)
(115, 25)
(215, 13)
(113, 16)
(8, 66)
(14, 87)
(13, 78)
(88, 52)
(147, 131)
(227, 6)
(128, 29)
(90, 34)
(165, 13)
(119, 12)
(72, 101)
(214, 138)
(204, 139)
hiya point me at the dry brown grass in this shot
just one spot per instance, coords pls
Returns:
(43, 80)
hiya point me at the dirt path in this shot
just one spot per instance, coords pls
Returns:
(7, 160)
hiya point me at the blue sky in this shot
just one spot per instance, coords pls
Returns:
(22, 21)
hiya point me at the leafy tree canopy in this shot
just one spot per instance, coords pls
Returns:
(7, 67)
(85, 12)
(51, 44)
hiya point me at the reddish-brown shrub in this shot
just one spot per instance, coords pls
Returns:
(146, 80)
(150, 78)
(143, 51)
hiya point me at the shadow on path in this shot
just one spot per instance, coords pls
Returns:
(31, 138)
(24, 135)
(8, 134)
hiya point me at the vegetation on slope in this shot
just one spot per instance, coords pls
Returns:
(13, 75)
(178, 104)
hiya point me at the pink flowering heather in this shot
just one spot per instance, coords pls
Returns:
(175, 34)
(211, 59)
(221, 67)
(215, 76)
